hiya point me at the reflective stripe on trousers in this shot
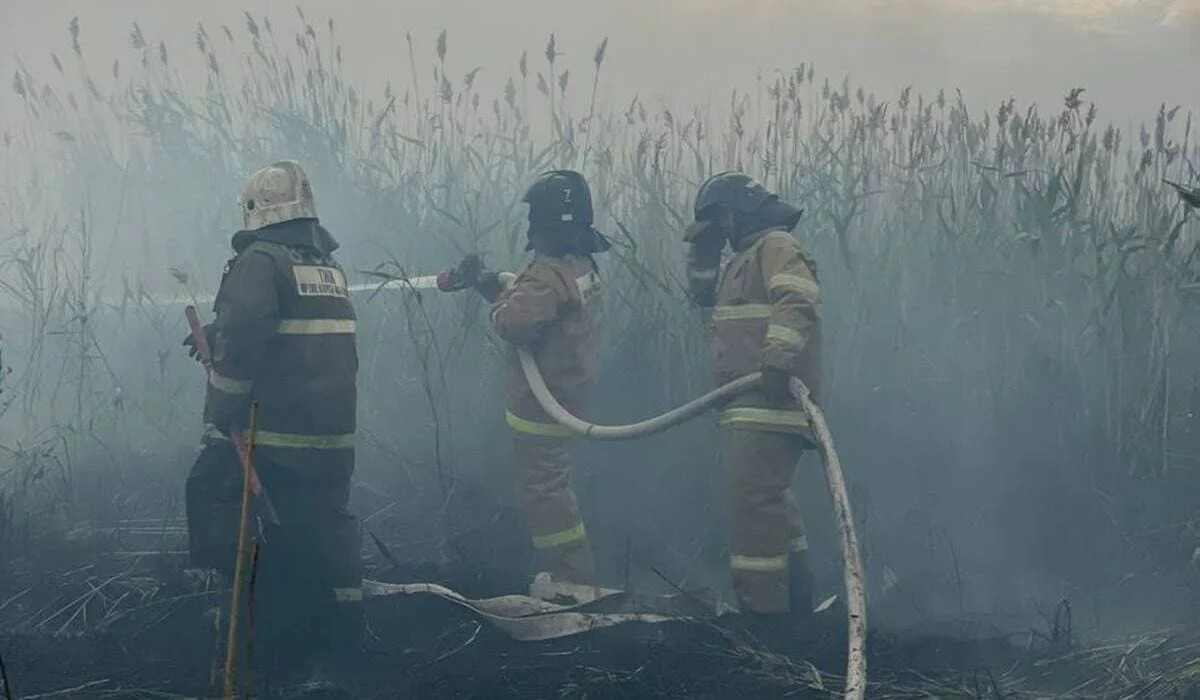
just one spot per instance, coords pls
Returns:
(763, 564)
(558, 539)
(529, 427)
(768, 564)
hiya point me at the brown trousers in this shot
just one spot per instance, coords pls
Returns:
(765, 524)
(542, 473)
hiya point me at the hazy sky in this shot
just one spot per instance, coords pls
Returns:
(1130, 54)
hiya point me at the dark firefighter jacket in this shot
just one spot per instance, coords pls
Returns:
(285, 336)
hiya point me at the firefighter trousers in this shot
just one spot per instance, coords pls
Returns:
(766, 531)
(542, 473)
(308, 583)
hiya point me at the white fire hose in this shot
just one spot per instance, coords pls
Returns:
(852, 574)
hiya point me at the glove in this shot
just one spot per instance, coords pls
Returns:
(189, 342)
(776, 386)
(464, 275)
(469, 269)
(488, 285)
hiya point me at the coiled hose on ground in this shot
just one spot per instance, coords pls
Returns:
(852, 574)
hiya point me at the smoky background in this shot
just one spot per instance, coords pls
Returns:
(1011, 334)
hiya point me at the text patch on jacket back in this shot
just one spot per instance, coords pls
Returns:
(320, 281)
(588, 286)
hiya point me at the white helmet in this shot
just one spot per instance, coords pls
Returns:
(279, 192)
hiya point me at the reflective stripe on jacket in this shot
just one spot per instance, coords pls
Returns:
(285, 336)
(766, 313)
(552, 309)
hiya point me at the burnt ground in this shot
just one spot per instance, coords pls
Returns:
(126, 623)
(426, 648)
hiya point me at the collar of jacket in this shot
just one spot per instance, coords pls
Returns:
(748, 240)
(298, 232)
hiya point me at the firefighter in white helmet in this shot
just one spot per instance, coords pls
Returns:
(284, 336)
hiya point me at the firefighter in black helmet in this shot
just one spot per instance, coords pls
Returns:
(766, 317)
(552, 310)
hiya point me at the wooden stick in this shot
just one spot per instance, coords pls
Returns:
(239, 567)
(248, 677)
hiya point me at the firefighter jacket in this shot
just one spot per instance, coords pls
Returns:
(765, 313)
(553, 310)
(285, 336)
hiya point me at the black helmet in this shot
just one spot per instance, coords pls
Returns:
(560, 215)
(733, 189)
(559, 197)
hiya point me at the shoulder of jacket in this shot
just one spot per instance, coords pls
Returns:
(250, 256)
(264, 248)
(782, 241)
(588, 264)
(779, 240)
(548, 271)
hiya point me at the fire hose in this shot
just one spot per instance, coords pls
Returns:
(852, 574)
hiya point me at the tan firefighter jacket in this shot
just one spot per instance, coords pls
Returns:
(553, 310)
(765, 313)
(285, 336)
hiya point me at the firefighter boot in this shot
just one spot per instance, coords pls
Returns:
(340, 654)
(779, 633)
(800, 587)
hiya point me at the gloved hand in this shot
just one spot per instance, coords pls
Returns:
(189, 342)
(708, 240)
(469, 273)
(469, 269)
(464, 275)
(488, 285)
(776, 386)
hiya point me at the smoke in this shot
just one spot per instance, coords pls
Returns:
(990, 456)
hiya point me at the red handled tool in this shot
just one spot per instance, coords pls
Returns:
(264, 505)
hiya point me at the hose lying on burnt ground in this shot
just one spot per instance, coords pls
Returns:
(852, 574)
(856, 609)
